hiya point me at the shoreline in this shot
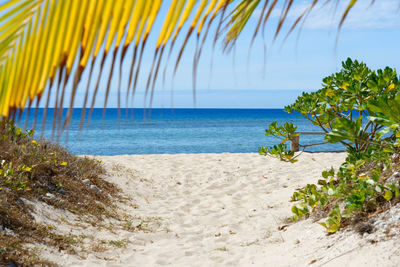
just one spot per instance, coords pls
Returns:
(207, 153)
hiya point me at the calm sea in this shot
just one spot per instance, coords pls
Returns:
(175, 131)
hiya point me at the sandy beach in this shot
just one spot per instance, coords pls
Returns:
(222, 210)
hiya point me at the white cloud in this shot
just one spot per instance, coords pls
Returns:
(383, 14)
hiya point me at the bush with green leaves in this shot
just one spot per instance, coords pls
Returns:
(360, 109)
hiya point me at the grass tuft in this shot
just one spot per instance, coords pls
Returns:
(39, 170)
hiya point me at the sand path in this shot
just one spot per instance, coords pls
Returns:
(225, 210)
(218, 209)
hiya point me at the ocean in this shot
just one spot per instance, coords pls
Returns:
(174, 131)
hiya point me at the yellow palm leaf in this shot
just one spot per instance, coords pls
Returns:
(42, 39)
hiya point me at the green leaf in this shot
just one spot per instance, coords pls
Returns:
(333, 228)
(26, 168)
(347, 214)
(388, 195)
(378, 189)
(295, 210)
(331, 192)
(323, 224)
(370, 181)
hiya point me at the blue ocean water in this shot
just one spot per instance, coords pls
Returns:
(174, 131)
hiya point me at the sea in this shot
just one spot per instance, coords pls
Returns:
(171, 131)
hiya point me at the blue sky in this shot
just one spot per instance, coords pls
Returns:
(370, 34)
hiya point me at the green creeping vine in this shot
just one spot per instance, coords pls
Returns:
(360, 109)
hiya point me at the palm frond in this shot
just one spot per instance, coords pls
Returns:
(241, 13)
(49, 44)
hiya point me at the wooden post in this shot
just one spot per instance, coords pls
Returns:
(295, 140)
(295, 143)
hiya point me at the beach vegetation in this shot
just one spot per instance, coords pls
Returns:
(358, 108)
(285, 132)
(37, 170)
(118, 243)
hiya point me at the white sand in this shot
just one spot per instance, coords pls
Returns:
(225, 210)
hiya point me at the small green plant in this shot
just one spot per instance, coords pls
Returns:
(286, 132)
(360, 109)
(56, 161)
(333, 223)
(16, 179)
(119, 243)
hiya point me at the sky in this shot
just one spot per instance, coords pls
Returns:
(299, 63)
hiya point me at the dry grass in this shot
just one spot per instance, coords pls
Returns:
(38, 170)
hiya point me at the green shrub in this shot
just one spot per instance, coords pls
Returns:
(360, 109)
